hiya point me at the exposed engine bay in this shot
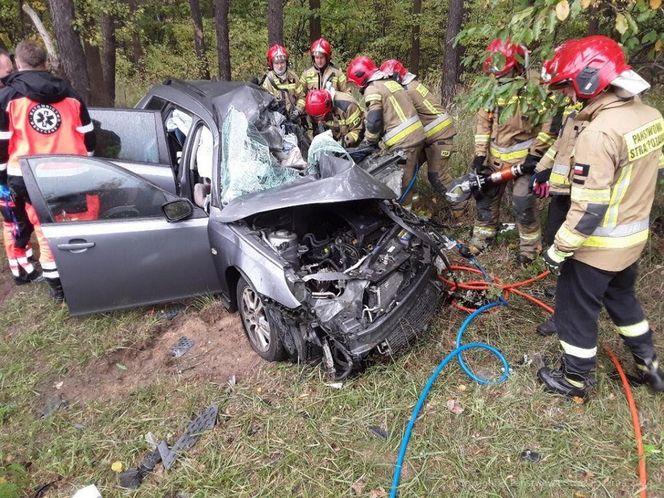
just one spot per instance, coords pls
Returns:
(354, 268)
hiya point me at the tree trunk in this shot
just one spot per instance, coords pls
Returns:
(221, 8)
(314, 20)
(108, 56)
(451, 55)
(69, 46)
(415, 38)
(136, 54)
(95, 75)
(53, 59)
(199, 40)
(275, 22)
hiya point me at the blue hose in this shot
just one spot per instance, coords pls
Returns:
(410, 185)
(456, 353)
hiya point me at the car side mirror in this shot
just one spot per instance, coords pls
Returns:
(177, 210)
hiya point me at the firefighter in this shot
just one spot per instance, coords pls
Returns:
(439, 127)
(39, 114)
(323, 75)
(612, 187)
(336, 111)
(503, 145)
(280, 81)
(547, 183)
(390, 116)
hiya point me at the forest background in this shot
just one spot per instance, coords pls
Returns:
(113, 50)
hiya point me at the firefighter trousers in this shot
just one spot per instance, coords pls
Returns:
(524, 205)
(409, 181)
(437, 156)
(581, 292)
(558, 208)
(25, 216)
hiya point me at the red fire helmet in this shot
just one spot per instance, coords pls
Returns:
(360, 69)
(318, 103)
(276, 51)
(507, 49)
(321, 46)
(392, 66)
(588, 64)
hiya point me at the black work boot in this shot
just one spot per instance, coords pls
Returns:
(547, 328)
(650, 373)
(557, 382)
(55, 289)
(27, 278)
(524, 261)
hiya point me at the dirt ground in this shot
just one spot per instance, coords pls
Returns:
(220, 352)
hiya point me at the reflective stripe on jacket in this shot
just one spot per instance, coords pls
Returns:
(287, 89)
(438, 125)
(346, 120)
(613, 182)
(391, 115)
(314, 79)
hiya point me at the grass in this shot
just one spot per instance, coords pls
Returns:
(285, 433)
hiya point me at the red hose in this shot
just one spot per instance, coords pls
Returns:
(480, 285)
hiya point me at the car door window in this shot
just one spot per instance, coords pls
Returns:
(130, 135)
(86, 189)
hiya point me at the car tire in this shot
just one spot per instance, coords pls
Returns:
(261, 333)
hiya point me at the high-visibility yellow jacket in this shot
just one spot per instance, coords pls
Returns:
(346, 120)
(314, 79)
(391, 116)
(512, 141)
(613, 180)
(287, 89)
(438, 125)
(559, 156)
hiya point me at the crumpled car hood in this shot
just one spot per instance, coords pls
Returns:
(340, 180)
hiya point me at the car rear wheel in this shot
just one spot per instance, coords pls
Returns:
(262, 335)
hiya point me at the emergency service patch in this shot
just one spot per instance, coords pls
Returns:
(645, 140)
(580, 173)
(44, 119)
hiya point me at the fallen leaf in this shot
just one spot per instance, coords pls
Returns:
(454, 406)
(121, 366)
(358, 486)
(655, 4)
(578, 400)
(462, 387)
(659, 44)
(585, 4)
(562, 10)
(335, 385)
(621, 24)
(378, 493)
(578, 494)
(117, 467)
(58, 385)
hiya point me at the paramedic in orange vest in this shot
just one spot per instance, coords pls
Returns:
(39, 114)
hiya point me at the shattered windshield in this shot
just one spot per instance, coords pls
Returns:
(253, 160)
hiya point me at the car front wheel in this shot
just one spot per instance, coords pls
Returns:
(261, 334)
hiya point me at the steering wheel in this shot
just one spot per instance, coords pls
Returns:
(120, 212)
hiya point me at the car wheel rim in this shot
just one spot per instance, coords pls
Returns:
(255, 320)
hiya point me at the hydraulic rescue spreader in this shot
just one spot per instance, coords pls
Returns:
(469, 184)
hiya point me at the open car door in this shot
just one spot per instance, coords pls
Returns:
(113, 246)
(136, 140)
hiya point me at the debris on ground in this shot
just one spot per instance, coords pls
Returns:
(52, 405)
(169, 313)
(183, 345)
(530, 456)
(335, 385)
(379, 431)
(41, 490)
(454, 406)
(90, 491)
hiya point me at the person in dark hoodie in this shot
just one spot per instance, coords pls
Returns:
(39, 114)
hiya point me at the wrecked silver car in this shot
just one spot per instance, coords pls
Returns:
(315, 254)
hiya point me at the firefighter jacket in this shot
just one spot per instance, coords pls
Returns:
(391, 116)
(613, 182)
(315, 79)
(510, 142)
(41, 114)
(558, 157)
(438, 125)
(287, 89)
(346, 120)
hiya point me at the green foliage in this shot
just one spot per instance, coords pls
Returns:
(543, 24)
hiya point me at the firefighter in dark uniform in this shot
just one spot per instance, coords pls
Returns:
(39, 114)
(612, 180)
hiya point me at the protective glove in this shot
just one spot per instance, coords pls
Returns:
(539, 183)
(553, 259)
(478, 164)
(529, 164)
(295, 115)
